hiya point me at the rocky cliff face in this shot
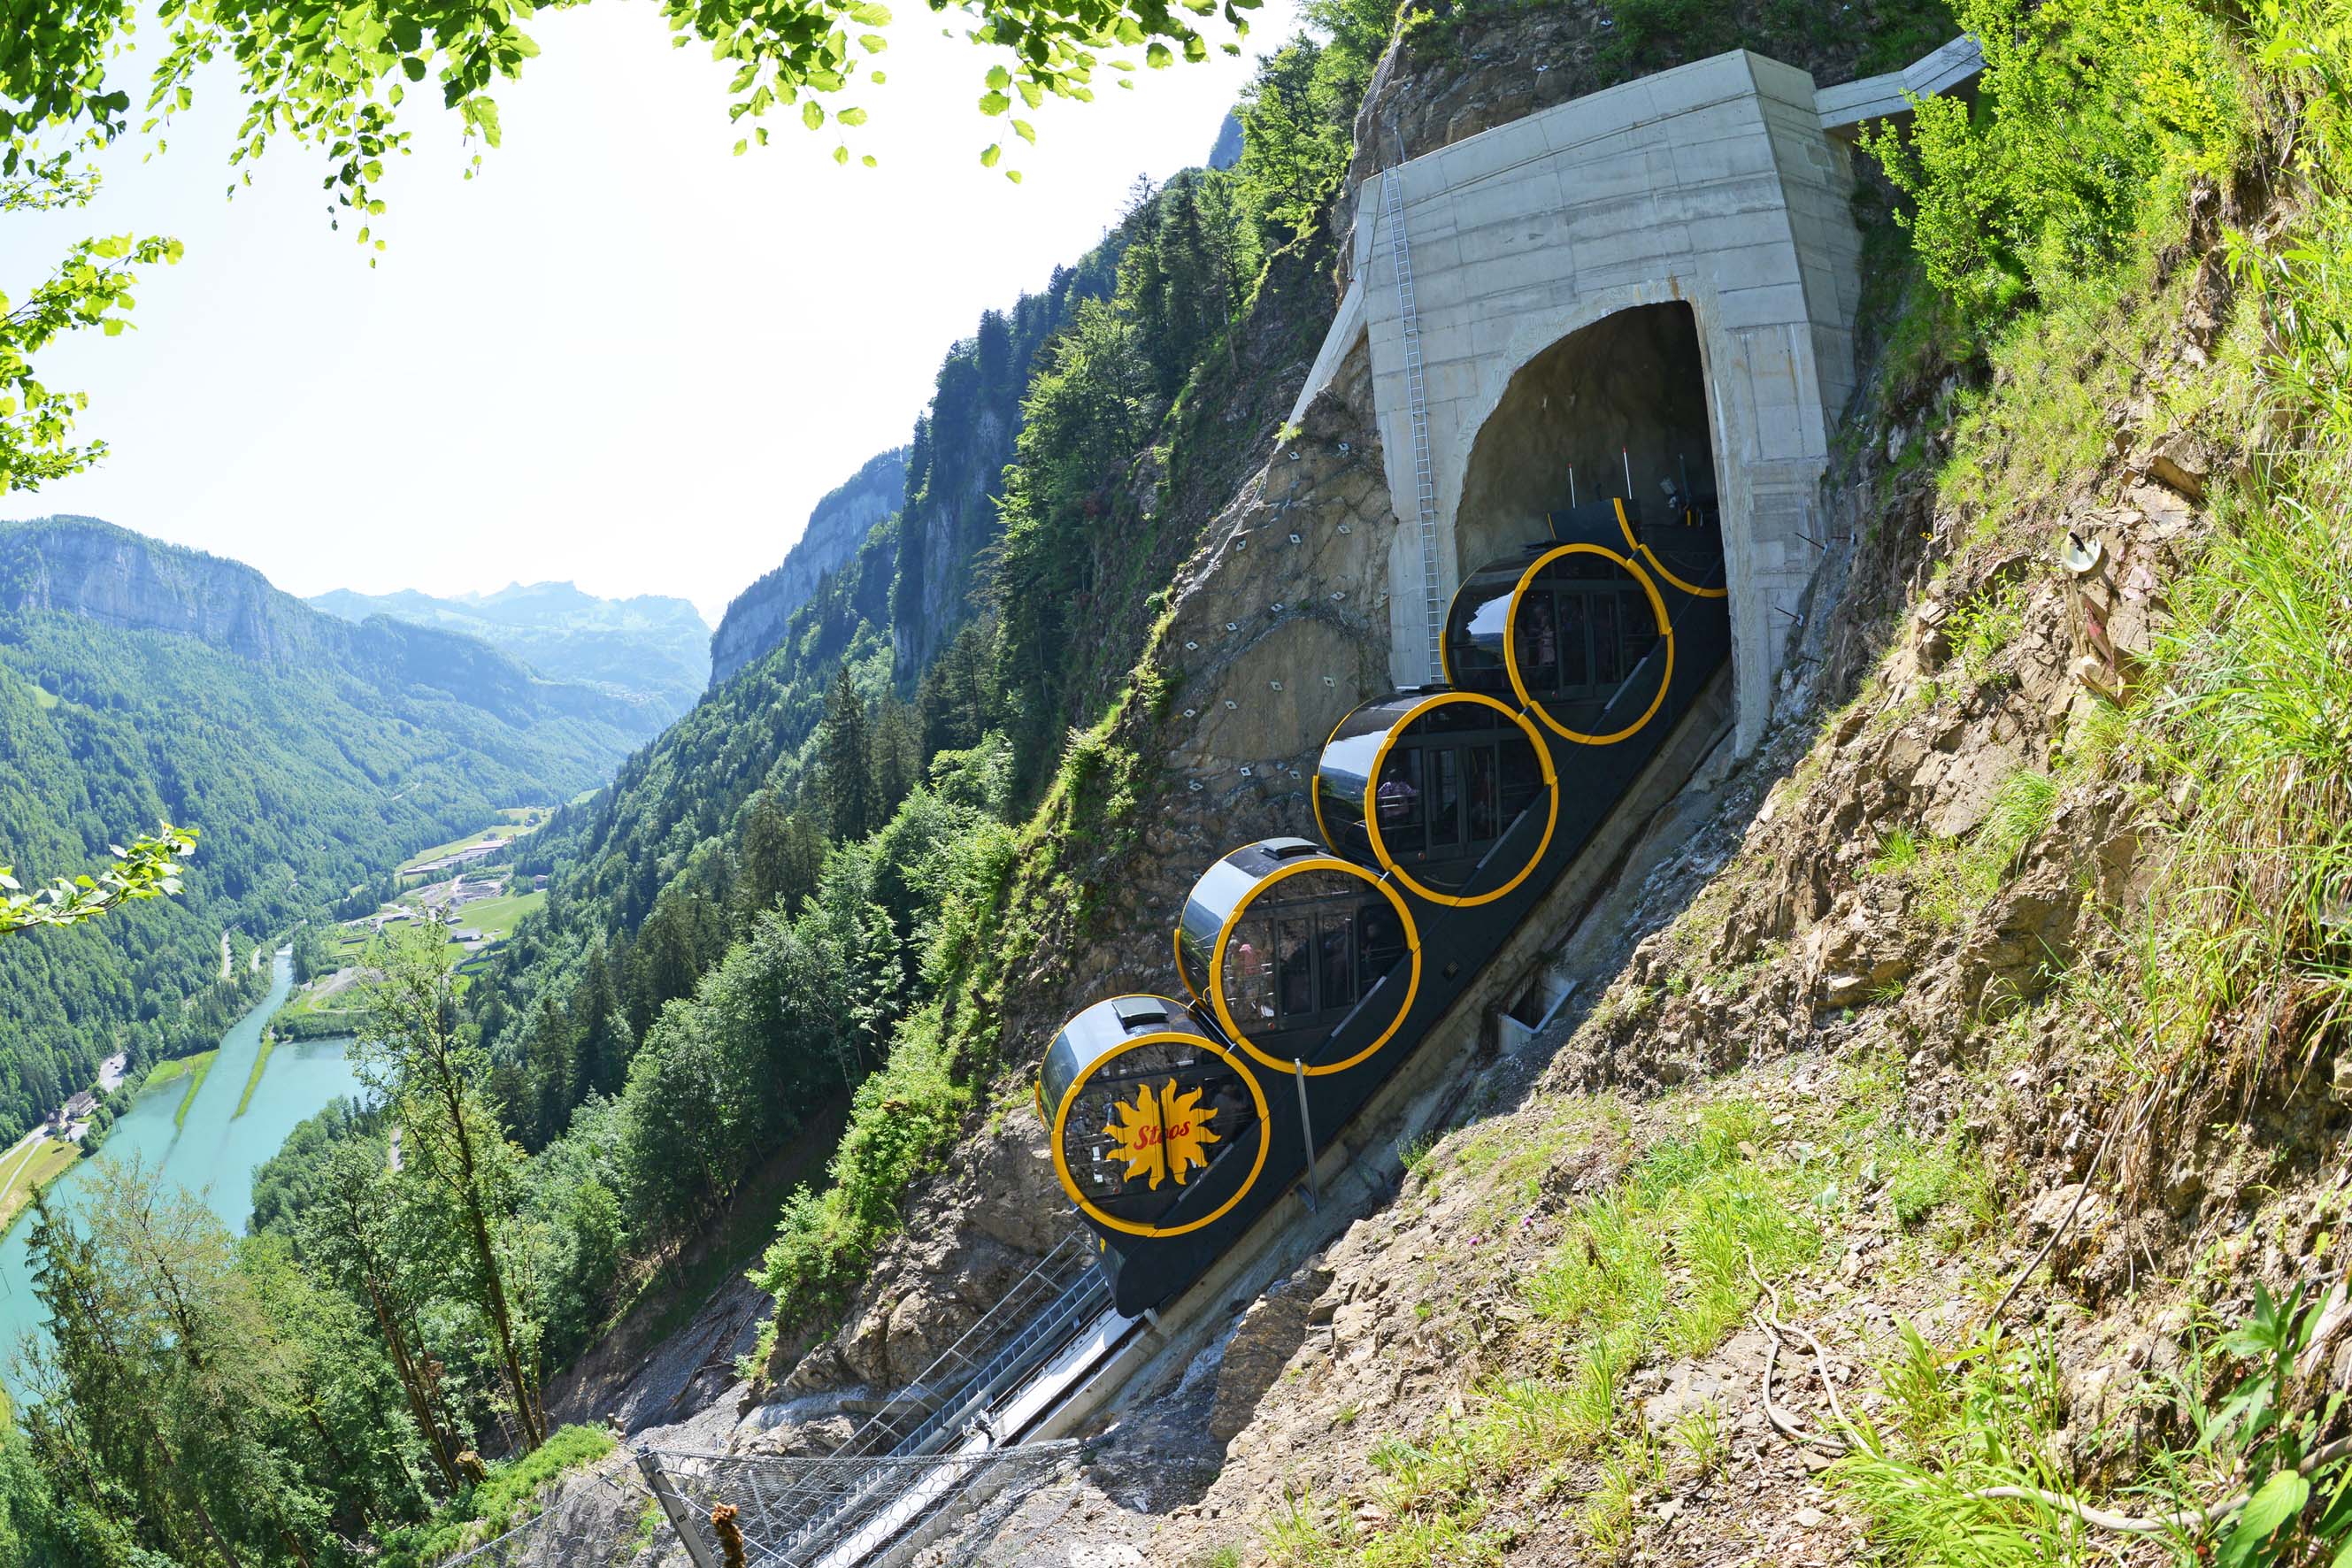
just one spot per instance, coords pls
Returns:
(82, 566)
(837, 527)
(944, 536)
(1472, 64)
(94, 571)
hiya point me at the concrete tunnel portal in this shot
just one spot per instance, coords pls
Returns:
(1616, 408)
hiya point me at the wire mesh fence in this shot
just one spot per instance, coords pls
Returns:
(926, 1454)
(839, 1511)
(925, 1407)
(600, 1518)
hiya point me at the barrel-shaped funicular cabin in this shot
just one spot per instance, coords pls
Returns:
(1446, 811)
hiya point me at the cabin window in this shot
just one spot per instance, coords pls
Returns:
(1294, 971)
(1445, 769)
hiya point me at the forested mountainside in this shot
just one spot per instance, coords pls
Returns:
(649, 646)
(823, 868)
(2020, 942)
(652, 881)
(756, 620)
(747, 921)
(142, 682)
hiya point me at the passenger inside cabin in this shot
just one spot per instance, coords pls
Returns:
(1397, 794)
(1540, 643)
(1247, 965)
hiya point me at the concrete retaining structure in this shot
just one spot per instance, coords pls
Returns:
(1721, 186)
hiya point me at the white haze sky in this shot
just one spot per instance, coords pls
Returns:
(620, 356)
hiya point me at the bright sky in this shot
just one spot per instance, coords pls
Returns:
(621, 356)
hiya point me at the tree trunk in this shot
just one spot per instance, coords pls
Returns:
(527, 1418)
(404, 1368)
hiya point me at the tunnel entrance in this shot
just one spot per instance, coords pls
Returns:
(1630, 390)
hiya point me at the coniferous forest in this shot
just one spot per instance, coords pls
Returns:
(310, 764)
(784, 934)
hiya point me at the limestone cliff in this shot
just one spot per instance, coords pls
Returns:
(836, 526)
(94, 571)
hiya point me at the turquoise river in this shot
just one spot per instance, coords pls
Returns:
(212, 1154)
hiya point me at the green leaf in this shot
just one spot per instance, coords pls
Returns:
(2280, 1500)
(841, 155)
(868, 16)
(869, 160)
(851, 117)
(872, 43)
(812, 114)
(994, 103)
(1026, 132)
(1156, 55)
(1014, 176)
(999, 79)
(1030, 94)
(988, 158)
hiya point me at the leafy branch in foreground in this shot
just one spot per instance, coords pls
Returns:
(149, 869)
(89, 287)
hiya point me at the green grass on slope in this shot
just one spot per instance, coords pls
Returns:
(506, 1498)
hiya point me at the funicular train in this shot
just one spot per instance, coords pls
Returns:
(1312, 971)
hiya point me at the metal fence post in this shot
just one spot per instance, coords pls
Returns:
(681, 1518)
(1307, 1127)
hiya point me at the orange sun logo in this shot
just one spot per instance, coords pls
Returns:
(1163, 1136)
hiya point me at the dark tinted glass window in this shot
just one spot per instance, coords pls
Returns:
(1294, 968)
(1608, 667)
(1538, 650)
(1444, 775)
(1638, 626)
(1380, 939)
(1575, 672)
(1338, 970)
(1485, 794)
(1522, 778)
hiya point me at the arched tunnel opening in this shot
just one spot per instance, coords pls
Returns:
(1628, 392)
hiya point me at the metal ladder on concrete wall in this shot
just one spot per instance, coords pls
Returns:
(1417, 406)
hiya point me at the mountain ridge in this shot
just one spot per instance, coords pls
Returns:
(141, 680)
(837, 525)
(649, 646)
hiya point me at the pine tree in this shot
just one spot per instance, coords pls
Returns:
(898, 755)
(600, 1051)
(849, 776)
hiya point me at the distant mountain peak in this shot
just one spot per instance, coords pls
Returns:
(647, 646)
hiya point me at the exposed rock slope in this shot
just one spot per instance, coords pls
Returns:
(1844, 1077)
